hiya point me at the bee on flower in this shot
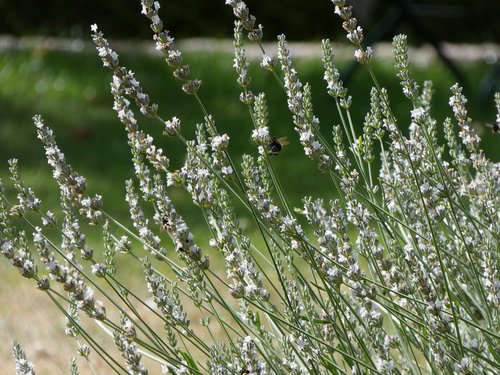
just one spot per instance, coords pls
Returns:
(275, 146)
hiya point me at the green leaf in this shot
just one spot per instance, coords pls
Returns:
(190, 361)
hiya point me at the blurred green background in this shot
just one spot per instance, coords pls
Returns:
(71, 89)
(461, 21)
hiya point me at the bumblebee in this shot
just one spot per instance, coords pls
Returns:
(495, 127)
(276, 145)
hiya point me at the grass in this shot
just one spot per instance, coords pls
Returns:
(72, 93)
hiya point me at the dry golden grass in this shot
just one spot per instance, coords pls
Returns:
(29, 317)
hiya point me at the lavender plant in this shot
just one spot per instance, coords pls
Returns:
(396, 274)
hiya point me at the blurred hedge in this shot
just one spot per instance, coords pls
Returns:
(451, 20)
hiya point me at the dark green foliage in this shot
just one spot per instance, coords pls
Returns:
(450, 20)
(88, 132)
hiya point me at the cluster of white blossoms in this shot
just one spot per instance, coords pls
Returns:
(354, 31)
(165, 44)
(299, 103)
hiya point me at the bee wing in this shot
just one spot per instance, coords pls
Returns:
(283, 141)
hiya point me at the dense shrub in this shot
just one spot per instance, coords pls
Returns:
(396, 273)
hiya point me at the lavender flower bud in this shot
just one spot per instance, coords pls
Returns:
(172, 127)
(191, 87)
